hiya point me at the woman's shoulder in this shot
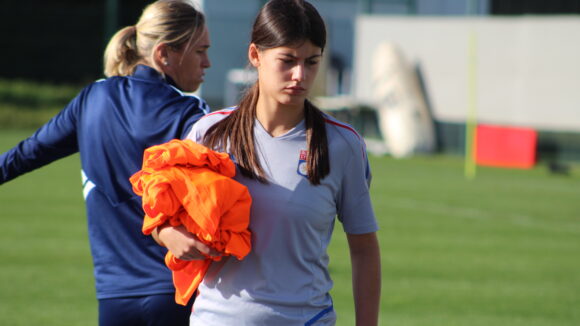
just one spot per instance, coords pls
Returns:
(215, 116)
(204, 123)
(343, 135)
(219, 114)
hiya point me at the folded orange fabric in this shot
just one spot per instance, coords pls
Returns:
(187, 184)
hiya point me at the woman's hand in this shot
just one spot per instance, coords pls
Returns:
(182, 244)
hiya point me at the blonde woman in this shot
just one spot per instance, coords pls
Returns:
(110, 123)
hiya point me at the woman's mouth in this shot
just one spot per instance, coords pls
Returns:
(295, 90)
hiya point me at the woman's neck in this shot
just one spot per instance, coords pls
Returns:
(278, 119)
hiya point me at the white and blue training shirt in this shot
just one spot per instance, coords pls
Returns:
(285, 278)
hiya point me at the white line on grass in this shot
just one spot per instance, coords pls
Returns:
(481, 214)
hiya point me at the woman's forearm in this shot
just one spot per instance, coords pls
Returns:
(366, 277)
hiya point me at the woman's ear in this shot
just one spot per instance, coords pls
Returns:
(161, 56)
(254, 55)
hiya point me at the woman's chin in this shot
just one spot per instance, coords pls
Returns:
(292, 100)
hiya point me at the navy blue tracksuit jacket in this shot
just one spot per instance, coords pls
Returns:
(111, 122)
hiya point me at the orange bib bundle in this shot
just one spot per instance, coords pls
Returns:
(187, 184)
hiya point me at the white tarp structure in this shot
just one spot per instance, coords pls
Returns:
(404, 118)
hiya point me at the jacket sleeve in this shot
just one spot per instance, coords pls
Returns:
(55, 140)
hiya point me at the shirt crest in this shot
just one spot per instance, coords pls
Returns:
(302, 166)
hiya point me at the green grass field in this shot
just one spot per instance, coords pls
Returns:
(503, 249)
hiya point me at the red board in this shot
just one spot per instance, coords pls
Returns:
(502, 146)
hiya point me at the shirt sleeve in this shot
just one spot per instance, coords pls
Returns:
(198, 129)
(355, 209)
(54, 140)
(198, 110)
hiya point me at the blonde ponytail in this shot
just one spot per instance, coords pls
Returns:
(173, 22)
(121, 55)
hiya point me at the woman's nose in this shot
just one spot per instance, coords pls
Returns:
(298, 72)
(205, 62)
